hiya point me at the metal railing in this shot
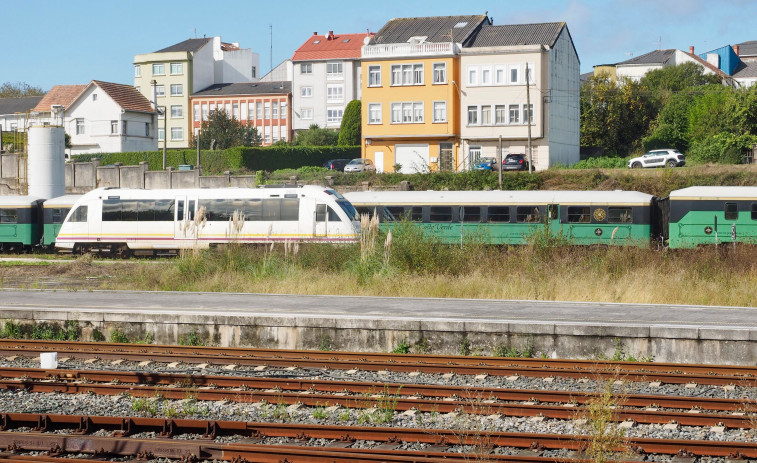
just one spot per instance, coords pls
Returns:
(408, 49)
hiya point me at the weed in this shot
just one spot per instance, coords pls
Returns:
(600, 418)
(319, 413)
(344, 415)
(325, 343)
(11, 330)
(402, 348)
(465, 348)
(191, 339)
(117, 336)
(422, 346)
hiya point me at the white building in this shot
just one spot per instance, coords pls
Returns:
(110, 118)
(495, 89)
(14, 112)
(325, 77)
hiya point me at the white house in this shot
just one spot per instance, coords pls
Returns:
(503, 70)
(110, 118)
(14, 112)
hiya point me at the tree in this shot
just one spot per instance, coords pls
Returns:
(227, 132)
(351, 130)
(316, 136)
(662, 83)
(19, 89)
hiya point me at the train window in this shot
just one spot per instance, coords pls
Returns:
(129, 211)
(333, 216)
(56, 215)
(253, 210)
(416, 214)
(80, 214)
(470, 214)
(499, 214)
(191, 209)
(552, 211)
(180, 209)
(8, 215)
(440, 214)
(111, 210)
(271, 209)
(731, 211)
(320, 212)
(290, 209)
(527, 214)
(397, 211)
(163, 210)
(619, 215)
(754, 211)
(579, 214)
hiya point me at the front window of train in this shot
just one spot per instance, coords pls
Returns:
(348, 209)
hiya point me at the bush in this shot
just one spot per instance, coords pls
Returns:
(723, 148)
(351, 130)
(599, 162)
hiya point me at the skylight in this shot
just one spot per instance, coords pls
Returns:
(346, 40)
(461, 24)
(316, 41)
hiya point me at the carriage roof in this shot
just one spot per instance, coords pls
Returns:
(18, 201)
(715, 192)
(409, 198)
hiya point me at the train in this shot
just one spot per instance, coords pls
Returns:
(687, 218)
(123, 222)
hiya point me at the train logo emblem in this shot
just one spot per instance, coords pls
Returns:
(707, 230)
(599, 214)
(598, 232)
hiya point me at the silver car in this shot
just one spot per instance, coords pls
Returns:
(658, 158)
(360, 165)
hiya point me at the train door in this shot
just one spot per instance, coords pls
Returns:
(553, 219)
(321, 224)
(185, 226)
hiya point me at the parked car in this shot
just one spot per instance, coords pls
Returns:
(485, 164)
(658, 158)
(515, 162)
(336, 164)
(360, 165)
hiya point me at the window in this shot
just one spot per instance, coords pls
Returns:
(204, 111)
(212, 108)
(177, 68)
(528, 214)
(161, 134)
(177, 89)
(137, 71)
(440, 73)
(397, 75)
(283, 110)
(160, 90)
(251, 110)
(440, 214)
(334, 115)
(514, 114)
(79, 126)
(196, 112)
(374, 76)
(474, 154)
(417, 74)
(440, 111)
(306, 92)
(275, 110)
(498, 214)
(159, 69)
(8, 215)
(283, 132)
(161, 112)
(113, 127)
(334, 93)
(514, 74)
(528, 114)
(177, 133)
(177, 111)
(227, 109)
(472, 76)
(754, 211)
(254, 72)
(500, 114)
(470, 214)
(472, 115)
(306, 68)
(619, 215)
(407, 74)
(731, 211)
(407, 113)
(579, 214)
(486, 115)
(396, 113)
(499, 75)
(374, 113)
(235, 110)
(333, 70)
(243, 107)
(306, 113)
(94, 97)
(267, 110)
(124, 127)
(147, 129)
(486, 76)
(267, 134)
(80, 214)
(259, 111)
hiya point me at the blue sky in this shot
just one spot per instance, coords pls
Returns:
(52, 42)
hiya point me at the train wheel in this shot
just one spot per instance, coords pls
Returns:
(122, 252)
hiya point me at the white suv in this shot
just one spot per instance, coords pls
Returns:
(658, 158)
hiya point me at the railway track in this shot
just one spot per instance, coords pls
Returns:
(647, 409)
(74, 433)
(665, 373)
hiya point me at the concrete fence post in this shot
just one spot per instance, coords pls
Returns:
(144, 166)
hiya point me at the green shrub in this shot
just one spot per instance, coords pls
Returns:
(350, 131)
(600, 162)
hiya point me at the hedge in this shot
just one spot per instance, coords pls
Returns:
(268, 158)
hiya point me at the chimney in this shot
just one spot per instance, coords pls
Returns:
(331, 35)
(315, 33)
(736, 49)
(691, 49)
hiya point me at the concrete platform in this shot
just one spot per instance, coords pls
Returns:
(665, 333)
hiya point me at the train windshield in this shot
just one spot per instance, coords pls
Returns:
(348, 209)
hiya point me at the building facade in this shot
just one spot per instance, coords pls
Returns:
(411, 93)
(14, 112)
(171, 75)
(326, 76)
(267, 106)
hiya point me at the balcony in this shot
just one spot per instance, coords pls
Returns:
(396, 50)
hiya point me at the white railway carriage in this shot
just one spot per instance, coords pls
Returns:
(120, 221)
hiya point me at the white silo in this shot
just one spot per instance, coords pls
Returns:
(46, 163)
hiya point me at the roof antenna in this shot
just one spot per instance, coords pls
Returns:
(270, 26)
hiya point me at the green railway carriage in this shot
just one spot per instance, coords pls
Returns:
(707, 215)
(19, 222)
(54, 212)
(514, 217)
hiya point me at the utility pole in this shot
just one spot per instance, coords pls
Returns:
(270, 26)
(528, 110)
(499, 161)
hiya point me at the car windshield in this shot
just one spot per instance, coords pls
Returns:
(356, 161)
(348, 209)
(512, 159)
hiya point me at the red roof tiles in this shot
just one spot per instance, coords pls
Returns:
(59, 95)
(126, 96)
(331, 46)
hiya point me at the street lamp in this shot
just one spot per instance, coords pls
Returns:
(165, 122)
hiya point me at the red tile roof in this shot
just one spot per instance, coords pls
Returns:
(709, 66)
(59, 94)
(126, 96)
(331, 46)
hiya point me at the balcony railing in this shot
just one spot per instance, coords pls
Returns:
(409, 49)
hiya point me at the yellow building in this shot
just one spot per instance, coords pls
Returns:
(411, 93)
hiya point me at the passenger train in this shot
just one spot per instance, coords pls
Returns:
(123, 222)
